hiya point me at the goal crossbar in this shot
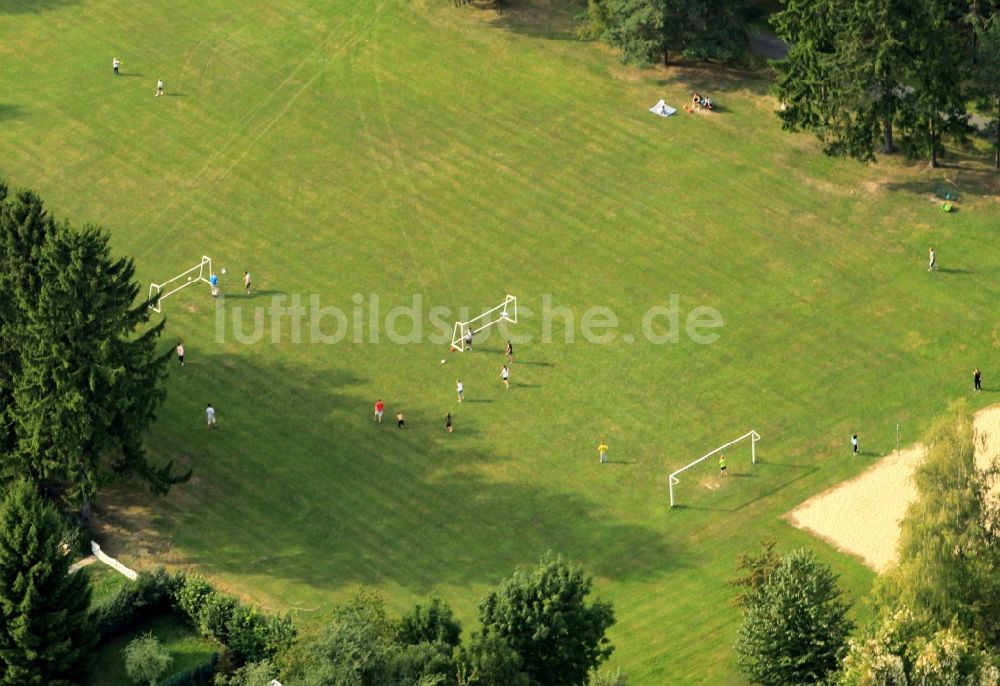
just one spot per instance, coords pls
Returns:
(752, 435)
(156, 290)
(504, 312)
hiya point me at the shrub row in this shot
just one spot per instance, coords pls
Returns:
(247, 634)
(202, 675)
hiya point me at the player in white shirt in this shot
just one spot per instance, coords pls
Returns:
(116, 63)
(210, 416)
(461, 390)
(159, 87)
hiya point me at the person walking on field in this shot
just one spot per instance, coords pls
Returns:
(854, 443)
(447, 423)
(510, 353)
(932, 263)
(722, 466)
(602, 452)
(977, 379)
(505, 377)
(159, 87)
(210, 416)
(379, 409)
(400, 421)
(116, 63)
(460, 389)
(246, 282)
(213, 281)
(180, 353)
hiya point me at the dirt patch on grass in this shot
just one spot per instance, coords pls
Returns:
(862, 516)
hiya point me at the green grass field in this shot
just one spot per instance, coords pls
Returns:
(390, 148)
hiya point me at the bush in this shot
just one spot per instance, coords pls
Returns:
(145, 660)
(148, 595)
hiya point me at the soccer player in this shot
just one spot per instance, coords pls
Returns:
(246, 282)
(510, 353)
(180, 352)
(468, 339)
(400, 422)
(461, 390)
(447, 423)
(932, 264)
(854, 443)
(977, 379)
(116, 63)
(210, 416)
(505, 377)
(213, 281)
(722, 466)
(159, 87)
(602, 452)
(379, 409)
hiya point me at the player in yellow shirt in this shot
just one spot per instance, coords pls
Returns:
(602, 451)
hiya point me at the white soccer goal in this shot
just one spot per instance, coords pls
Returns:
(196, 274)
(752, 435)
(505, 312)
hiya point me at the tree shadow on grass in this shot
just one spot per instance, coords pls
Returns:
(299, 487)
(33, 6)
(714, 81)
(548, 19)
(765, 483)
(8, 111)
(964, 173)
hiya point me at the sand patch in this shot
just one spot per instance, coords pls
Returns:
(862, 516)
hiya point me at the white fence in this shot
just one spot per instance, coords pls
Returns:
(111, 562)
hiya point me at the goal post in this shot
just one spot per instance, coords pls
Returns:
(752, 435)
(196, 274)
(504, 312)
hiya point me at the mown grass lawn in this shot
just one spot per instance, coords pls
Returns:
(361, 151)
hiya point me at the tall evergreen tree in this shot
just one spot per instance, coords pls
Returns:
(986, 76)
(646, 31)
(87, 388)
(25, 228)
(44, 637)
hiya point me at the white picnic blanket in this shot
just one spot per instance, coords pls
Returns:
(662, 109)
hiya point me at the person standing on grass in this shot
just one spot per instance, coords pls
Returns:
(932, 260)
(460, 389)
(400, 421)
(977, 379)
(116, 63)
(246, 282)
(468, 339)
(722, 466)
(510, 353)
(210, 416)
(213, 281)
(854, 443)
(447, 423)
(180, 352)
(602, 452)
(159, 87)
(379, 409)
(505, 377)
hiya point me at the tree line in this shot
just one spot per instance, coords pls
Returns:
(935, 614)
(866, 76)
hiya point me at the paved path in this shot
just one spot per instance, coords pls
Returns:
(766, 44)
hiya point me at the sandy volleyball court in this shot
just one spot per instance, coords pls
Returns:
(862, 516)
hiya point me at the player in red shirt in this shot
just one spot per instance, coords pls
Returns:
(379, 409)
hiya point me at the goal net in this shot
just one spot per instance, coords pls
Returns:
(465, 331)
(752, 436)
(197, 274)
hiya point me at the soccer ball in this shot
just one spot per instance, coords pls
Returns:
(223, 270)
(443, 361)
(189, 278)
